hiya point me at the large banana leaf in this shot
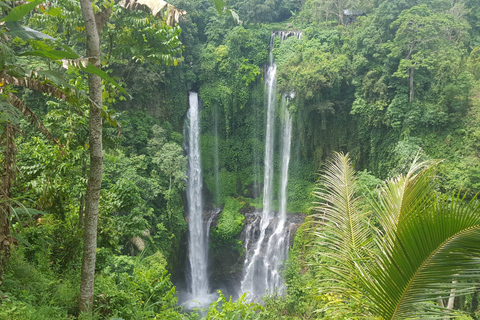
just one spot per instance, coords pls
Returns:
(156, 6)
(19, 12)
(16, 29)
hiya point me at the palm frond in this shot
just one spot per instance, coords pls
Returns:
(397, 196)
(343, 233)
(31, 116)
(428, 240)
(33, 84)
(428, 243)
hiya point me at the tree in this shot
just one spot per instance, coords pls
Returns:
(322, 10)
(424, 248)
(93, 24)
(423, 38)
(92, 64)
(258, 11)
(92, 195)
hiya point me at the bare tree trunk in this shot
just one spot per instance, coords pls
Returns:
(440, 303)
(451, 300)
(8, 175)
(410, 78)
(81, 211)
(92, 195)
(341, 7)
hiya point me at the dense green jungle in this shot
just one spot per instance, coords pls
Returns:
(382, 181)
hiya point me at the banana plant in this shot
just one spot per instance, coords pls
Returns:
(423, 247)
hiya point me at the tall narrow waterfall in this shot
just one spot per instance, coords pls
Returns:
(197, 236)
(286, 144)
(265, 254)
(216, 160)
(256, 280)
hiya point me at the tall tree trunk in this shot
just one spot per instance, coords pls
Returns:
(92, 195)
(81, 210)
(451, 300)
(410, 79)
(340, 7)
(8, 175)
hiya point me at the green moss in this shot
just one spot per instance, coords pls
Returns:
(230, 222)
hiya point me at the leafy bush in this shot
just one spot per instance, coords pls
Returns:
(135, 288)
(299, 192)
(29, 294)
(230, 222)
(240, 309)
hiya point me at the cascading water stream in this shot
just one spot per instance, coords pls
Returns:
(278, 243)
(268, 232)
(216, 159)
(255, 281)
(263, 261)
(197, 235)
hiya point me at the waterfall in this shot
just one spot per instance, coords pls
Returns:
(255, 281)
(286, 144)
(279, 242)
(197, 236)
(216, 159)
(264, 256)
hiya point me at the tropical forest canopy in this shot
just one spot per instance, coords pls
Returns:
(393, 84)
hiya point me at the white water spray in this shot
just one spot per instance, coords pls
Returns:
(197, 237)
(265, 257)
(216, 159)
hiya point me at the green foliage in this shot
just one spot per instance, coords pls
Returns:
(19, 12)
(353, 94)
(299, 192)
(230, 222)
(367, 180)
(474, 63)
(51, 244)
(228, 71)
(135, 288)
(369, 264)
(227, 309)
(315, 74)
(29, 294)
(259, 12)
(143, 38)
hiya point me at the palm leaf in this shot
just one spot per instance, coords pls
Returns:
(398, 196)
(425, 242)
(31, 116)
(428, 240)
(25, 33)
(342, 234)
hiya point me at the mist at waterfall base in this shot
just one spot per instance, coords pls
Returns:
(266, 234)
